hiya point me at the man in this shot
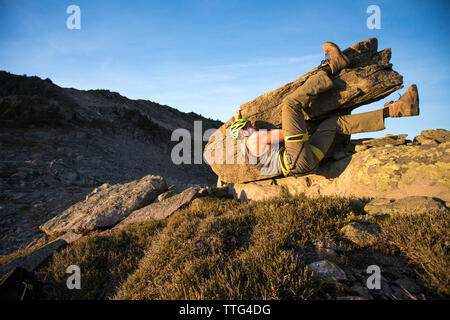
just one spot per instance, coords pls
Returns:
(301, 153)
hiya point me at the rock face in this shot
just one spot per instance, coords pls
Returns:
(391, 172)
(368, 78)
(106, 207)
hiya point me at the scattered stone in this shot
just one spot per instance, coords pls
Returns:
(161, 209)
(425, 141)
(404, 206)
(357, 204)
(107, 207)
(203, 192)
(361, 234)
(389, 140)
(327, 271)
(325, 253)
(256, 191)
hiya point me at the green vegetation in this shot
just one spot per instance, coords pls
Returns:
(23, 113)
(25, 86)
(224, 250)
(217, 248)
(30, 101)
(105, 261)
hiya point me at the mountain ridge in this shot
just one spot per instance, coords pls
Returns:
(58, 144)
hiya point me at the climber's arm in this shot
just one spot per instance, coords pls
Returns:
(275, 136)
(257, 143)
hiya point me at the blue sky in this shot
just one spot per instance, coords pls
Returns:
(210, 56)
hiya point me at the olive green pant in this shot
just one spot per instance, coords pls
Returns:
(304, 156)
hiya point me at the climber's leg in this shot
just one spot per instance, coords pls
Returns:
(362, 122)
(301, 154)
(309, 90)
(323, 137)
(297, 156)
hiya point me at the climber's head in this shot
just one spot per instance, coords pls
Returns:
(241, 128)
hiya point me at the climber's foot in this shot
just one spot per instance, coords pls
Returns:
(406, 106)
(336, 59)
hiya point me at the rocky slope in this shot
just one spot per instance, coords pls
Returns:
(58, 144)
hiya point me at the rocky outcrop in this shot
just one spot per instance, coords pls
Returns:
(102, 209)
(433, 136)
(368, 78)
(387, 171)
(106, 206)
(160, 210)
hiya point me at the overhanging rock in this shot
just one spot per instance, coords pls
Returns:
(368, 78)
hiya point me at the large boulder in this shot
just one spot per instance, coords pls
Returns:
(368, 78)
(107, 206)
(392, 172)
